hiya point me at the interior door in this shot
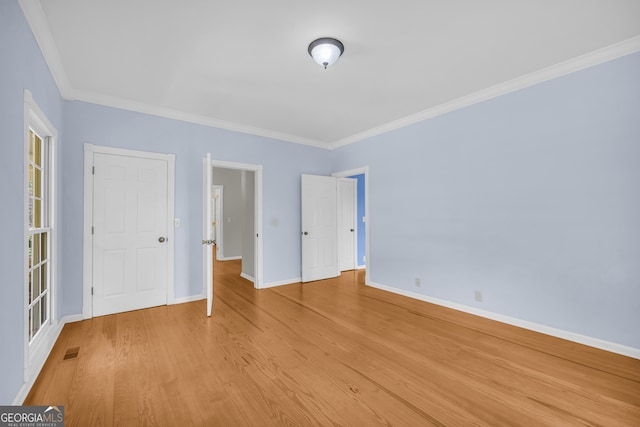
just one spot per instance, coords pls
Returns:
(347, 203)
(129, 233)
(319, 228)
(207, 240)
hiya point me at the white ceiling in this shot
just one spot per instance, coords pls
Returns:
(243, 64)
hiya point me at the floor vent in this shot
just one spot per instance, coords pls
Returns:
(71, 353)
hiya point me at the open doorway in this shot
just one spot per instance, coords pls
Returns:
(237, 220)
(363, 216)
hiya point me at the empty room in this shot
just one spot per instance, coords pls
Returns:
(356, 213)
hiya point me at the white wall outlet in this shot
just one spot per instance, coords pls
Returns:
(418, 282)
(479, 296)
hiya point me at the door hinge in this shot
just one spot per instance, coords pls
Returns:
(92, 290)
(92, 229)
(93, 170)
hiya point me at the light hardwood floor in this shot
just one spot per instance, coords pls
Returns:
(331, 352)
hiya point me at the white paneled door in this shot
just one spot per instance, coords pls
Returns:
(319, 228)
(130, 252)
(347, 232)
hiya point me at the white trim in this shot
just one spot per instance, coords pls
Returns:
(282, 283)
(87, 241)
(258, 241)
(367, 213)
(170, 113)
(582, 62)
(249, 278)
(27, 385)
(191, 298)
(536, 327)
(40, 28)
(230, 258)
(361, 267)
(37, 21)
(36, 352)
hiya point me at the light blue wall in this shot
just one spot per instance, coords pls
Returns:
(362, 249)
(283, 164)
(532, 198)
(21, 66)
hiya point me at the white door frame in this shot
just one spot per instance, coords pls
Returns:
(367, 214)
(87, 241)
(257, 242)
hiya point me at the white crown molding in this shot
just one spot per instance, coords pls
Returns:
(126, 104)
(39, 26)
(596, 57)
(34, 14)
(525, 324)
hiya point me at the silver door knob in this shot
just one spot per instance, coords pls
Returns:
(305, 233)
(161, 239)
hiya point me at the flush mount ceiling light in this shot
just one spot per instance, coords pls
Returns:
(326, 51)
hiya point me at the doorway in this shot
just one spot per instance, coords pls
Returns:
(363, 215)
(240, 214)
(329, 226)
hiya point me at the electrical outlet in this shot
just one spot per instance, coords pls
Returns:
(478, 296)
(417, 282)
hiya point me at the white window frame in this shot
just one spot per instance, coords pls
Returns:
(37, 351)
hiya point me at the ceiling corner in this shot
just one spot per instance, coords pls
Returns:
(37, 21)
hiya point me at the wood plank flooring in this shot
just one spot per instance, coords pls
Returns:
(328, 353)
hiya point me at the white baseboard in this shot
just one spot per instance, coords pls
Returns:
(281, 283)
(26, 387)
(249, 278)
(558, 333)
(361, 267)
(189, 298)
(230, 258)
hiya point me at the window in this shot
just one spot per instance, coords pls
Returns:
(40, 323)
(38, 233)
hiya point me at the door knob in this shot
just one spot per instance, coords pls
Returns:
(161, 239)
(352, 230)
(305, 233)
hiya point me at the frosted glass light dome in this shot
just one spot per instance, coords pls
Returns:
(326, 51)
